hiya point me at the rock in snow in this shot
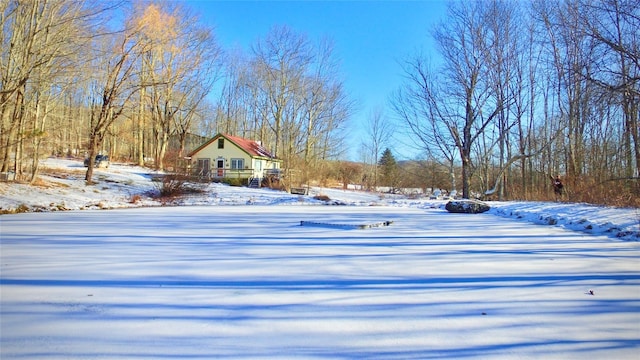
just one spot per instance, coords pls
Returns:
(467, 206)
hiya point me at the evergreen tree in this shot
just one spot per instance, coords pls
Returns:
(388, 169)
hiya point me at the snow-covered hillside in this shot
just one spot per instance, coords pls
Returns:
(125, 186)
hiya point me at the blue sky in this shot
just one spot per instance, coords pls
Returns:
(371, 38)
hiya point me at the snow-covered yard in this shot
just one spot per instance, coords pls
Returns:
(235, 275)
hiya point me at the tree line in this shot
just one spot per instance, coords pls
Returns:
(135, 81)
(522, 91)
(518, 91)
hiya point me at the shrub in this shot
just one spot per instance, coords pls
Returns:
(176, 185)
(234, 181)
(22, 208)
(322, 197)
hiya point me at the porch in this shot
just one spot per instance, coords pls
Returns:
(249, 177)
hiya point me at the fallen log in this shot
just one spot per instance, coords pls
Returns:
(346, 226)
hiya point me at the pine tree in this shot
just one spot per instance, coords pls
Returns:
(388, 169)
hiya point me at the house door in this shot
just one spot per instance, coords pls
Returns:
(220, 166)
(203, 167)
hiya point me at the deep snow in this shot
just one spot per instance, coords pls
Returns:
(220, 279)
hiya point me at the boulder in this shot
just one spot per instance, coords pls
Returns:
(467, 206)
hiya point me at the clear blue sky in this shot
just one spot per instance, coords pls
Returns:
(371, 38)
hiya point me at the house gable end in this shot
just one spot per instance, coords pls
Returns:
(203, 146)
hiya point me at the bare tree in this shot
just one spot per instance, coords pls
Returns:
(295, 86)
(468, 106)
(181, 63)
(421, 106)
(325, 107)
(378, 131)
(235, 96)
(41, 41)
(570, 52)
(614, 25)
(281, 60)
(113, 86)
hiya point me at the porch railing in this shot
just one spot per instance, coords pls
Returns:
(218, 173)
(228, 173)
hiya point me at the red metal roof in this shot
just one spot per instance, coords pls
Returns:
(252, 147)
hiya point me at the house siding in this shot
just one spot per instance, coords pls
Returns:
(229, 152)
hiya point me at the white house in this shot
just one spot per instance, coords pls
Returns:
(232, 157)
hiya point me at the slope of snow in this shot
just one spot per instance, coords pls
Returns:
(620, 223)
(119, 185)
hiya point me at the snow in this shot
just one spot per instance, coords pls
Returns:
(231, 273)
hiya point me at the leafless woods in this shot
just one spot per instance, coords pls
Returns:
(522, 90)
(517, 91)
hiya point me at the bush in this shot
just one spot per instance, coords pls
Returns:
(176, 185)
(322, 197)
(135, 199)
(22, 208)
(618, 192)
(235, 181)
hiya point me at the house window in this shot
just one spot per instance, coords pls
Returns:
(221, 143)
(237, 164)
